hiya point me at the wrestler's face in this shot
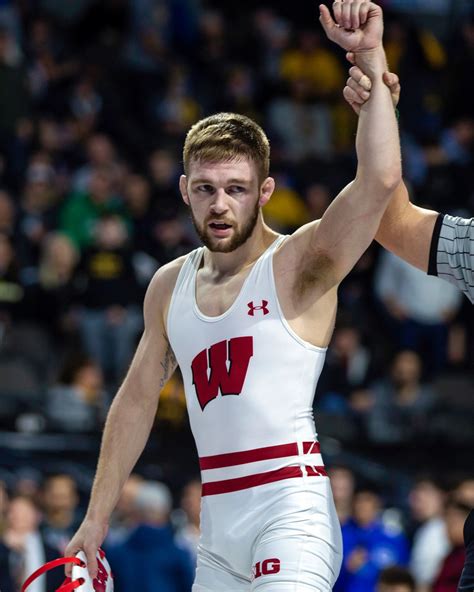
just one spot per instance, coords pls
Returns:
(225, 200)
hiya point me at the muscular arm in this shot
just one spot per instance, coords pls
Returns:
(129, 420)
(406, 229)
(133, 410)
(333, 246)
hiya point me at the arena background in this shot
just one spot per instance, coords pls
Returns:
(95, 100)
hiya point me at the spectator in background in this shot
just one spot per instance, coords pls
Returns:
(317, 197)
(38, 212)
(61, 516)
(82, 211)
(286, 211)
(400, 403)
(123, 518)
(369, 545)
(164, 174)
(172, 239)
(100, 153)
(303, 128)
(177, 109)
(190, 530)
(312, 62)
(7, 215)
(110, 319)
(396, 579)
(419, 307)
(343, 486)
(56, 290)
(78, 403)
(137, 195)
(150, 550)
(12, 292)
(456, 512)
(14, 95)
(26, 549)
(349, 368)
(430, 543)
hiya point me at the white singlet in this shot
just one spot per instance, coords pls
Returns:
(267, 513)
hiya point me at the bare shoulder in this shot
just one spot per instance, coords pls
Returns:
(302, 266)
(160, 289)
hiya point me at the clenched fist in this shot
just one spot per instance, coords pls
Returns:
(357, 25)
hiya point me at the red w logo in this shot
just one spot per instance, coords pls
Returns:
(253, 308)
(228, 381)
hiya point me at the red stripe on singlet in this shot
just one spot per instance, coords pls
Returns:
(230, 459)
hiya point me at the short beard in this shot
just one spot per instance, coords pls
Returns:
(239, 237)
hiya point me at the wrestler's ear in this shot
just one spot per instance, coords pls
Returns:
(183, 187)
(266, 190)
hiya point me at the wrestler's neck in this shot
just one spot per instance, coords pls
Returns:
(225, 265)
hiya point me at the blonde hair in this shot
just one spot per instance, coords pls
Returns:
(224, 137)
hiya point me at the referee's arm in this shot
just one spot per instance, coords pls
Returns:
(407, 230)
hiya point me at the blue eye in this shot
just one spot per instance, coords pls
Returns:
(237, 189)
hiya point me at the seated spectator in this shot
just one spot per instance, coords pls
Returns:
(110, 319)
(150, 550)
(286, 210)
(303, 127)
(38, 212)
(419, 308)
(163, 168)
(137, 194)
(56, 291)
(396, 579)
(369, 545)
(79, 402)
(100, 152)
(401, 402)
(82, 211)
(26, 549)
(455, 516)
(349, 367)
(430, 543)
(61, 517)
(312, 62)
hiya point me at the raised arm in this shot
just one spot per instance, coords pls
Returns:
(405, 229)
(333, 245)
(129, 420)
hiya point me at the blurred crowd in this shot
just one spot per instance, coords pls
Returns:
(416, 548)
(96, 97)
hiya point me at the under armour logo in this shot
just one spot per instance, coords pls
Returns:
(253, 308)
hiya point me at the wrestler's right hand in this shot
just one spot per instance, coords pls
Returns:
(88, 538)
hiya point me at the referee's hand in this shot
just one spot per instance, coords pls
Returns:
(358, 85)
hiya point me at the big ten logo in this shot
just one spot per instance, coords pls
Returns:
(266, 567)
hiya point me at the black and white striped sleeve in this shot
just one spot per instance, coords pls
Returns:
(452, 252)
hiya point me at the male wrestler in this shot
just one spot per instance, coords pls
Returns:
(439, 244)
(248, 318)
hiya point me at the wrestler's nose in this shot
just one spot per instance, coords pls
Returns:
(219, 205)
